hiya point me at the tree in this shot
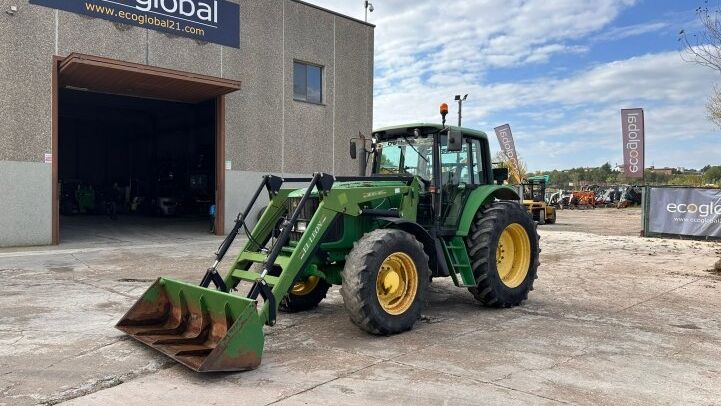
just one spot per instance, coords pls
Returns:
(712, 175)
(704, 48)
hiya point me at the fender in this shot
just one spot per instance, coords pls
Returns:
(480, 196)
(429, 243)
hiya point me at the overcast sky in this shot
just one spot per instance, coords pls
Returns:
(558, 71)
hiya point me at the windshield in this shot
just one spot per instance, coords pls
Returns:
(405, 156)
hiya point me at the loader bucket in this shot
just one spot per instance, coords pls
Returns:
(204, 329)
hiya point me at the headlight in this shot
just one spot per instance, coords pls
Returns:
(301, 226)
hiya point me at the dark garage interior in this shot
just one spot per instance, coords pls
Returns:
(129, 162)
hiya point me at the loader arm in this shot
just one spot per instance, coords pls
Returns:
(222, 329)
(292, 260)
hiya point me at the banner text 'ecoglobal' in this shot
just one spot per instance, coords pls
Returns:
(216, 21)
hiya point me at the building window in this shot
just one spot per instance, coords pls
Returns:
(307, 82)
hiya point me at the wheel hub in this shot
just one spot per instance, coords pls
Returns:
(305, 287)
(397, 283)
(391, 281)
(513, 255)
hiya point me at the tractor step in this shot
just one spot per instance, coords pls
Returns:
(283, 260)
(459, 264)
(250, 276)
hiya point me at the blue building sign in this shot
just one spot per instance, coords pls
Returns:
(216, 21)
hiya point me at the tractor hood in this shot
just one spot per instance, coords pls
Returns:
(351, 185)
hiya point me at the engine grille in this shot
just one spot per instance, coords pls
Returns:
(335, 232)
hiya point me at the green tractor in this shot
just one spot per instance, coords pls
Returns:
(432, 207)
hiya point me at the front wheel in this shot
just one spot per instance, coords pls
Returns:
(504, 251)
(305, 294)
(384, 281)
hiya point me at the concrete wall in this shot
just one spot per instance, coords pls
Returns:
(25, 204)
(266, 130)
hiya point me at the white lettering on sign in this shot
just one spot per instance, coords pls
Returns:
(507, 143)
(634, 141)
(632, 123)
(203, 10)
(703, 210)
(505, 138)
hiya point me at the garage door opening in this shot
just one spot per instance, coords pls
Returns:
(134, 165)
(138, 151)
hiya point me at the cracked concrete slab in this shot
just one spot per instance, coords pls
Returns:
(396, 383)
(614, 319)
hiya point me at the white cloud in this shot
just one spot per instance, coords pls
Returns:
(618, 33)
(481, 33)
(428, 51)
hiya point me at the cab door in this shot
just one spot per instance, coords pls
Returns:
(461, 172)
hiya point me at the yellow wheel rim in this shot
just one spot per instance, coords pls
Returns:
(306, 286)
(513, 255)
(397, 283)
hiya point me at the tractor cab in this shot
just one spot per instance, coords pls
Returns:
(450, 162)
(534, 189)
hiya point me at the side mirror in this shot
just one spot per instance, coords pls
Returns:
(353, 150)
(500, 175)
(455, 140)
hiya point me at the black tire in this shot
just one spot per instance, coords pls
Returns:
(552, 219)
(293, 303)
(360, 277)
(482, 241)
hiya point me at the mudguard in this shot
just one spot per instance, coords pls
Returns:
(478, 197)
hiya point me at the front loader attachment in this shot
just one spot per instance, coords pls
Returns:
(207, 330)
(212, 330)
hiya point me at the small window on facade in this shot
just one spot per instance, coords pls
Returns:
(307, 82)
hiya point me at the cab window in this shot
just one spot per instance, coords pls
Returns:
(477, 157)
(454, 165)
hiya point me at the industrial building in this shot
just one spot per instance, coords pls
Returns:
(164, 110)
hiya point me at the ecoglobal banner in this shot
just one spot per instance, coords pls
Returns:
(508, 146)
(633, 131)
(216, 21)
(684, 211)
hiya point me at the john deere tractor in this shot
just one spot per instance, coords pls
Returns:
(432, 207)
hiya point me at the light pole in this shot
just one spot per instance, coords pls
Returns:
(460, 107)
(369, 8)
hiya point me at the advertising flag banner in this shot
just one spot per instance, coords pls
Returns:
(633, 132)
(508, 146)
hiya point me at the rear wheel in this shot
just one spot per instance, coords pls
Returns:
(384, 281)
(503, 246)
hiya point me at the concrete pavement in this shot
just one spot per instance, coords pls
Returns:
(614, 319)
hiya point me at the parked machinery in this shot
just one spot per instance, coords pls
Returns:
(583, 200)
(534, 199)
(630, 196)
